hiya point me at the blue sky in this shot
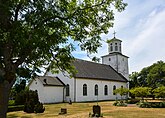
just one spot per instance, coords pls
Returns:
(141, 27)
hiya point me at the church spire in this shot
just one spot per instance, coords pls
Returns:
(114, 44)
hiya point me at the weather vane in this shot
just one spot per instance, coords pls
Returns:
(114, 33)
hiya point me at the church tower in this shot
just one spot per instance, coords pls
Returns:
(115, 58)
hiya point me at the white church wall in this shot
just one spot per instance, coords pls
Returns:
(37, 85)
(110, 60)
(53, 94)
(123, 66)
(64, 77)
(47, 94)
(91, 92)
(118, 62)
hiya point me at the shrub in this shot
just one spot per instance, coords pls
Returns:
(11, 103)
(115, 103)
(39, 108)
(20, 98)
(120, 103)
(152, 105)
(30, 100)
(29, 107)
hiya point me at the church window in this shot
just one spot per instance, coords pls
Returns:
(116, 48)
(84, 90)
(109, 59)
(111, 47)
(105, 90)
(96, 89)
(114, 88)
(121, 86)
(120, 48)
(67, 90)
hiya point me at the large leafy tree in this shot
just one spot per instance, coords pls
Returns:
(152, 76)
(35, 33)
(156, 75)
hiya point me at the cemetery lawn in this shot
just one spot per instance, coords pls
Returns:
(82, 110)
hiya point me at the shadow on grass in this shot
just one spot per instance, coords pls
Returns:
(16, 116)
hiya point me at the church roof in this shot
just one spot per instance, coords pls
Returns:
(113, 39)
(91, 70)
(51, 81)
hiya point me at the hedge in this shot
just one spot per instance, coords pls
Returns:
(152, 105)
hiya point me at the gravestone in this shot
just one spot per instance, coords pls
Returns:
(96, 111)
(63, 111)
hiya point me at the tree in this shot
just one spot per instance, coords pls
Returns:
(141, 92)
(121, 91)
(152, 76)
(20, 86)
(156, 75)
(39, 33)
(134, 82)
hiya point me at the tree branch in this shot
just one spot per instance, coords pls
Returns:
(17, 11)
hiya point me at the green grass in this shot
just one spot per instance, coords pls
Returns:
(82, 110)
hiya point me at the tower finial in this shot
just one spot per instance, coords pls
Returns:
(114, 33)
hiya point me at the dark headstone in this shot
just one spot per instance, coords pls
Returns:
(96, 110)
(63, 111)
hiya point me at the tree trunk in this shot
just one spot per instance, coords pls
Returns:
(4, 98)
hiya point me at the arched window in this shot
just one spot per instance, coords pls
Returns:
(116, 47)
(111, 47)
(114, 88)
(84, 90)
(67, 90)
(105, 90)
(121, 86)
(120, 48)
(96, 89)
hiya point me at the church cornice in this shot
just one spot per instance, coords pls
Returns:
(115, 53)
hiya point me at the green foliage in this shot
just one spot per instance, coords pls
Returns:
(20, 98)
(31, 103)
(39, 108)
(20, 86)
(29, 106)
(120, 103)
(152, 105)
(159, 92)
(40, 33)
(121, 91)
(15, 108)
(11, 102)
(141, 91)
(134, 81)
(152, 76)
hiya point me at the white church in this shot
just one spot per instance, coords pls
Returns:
(92, 82)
